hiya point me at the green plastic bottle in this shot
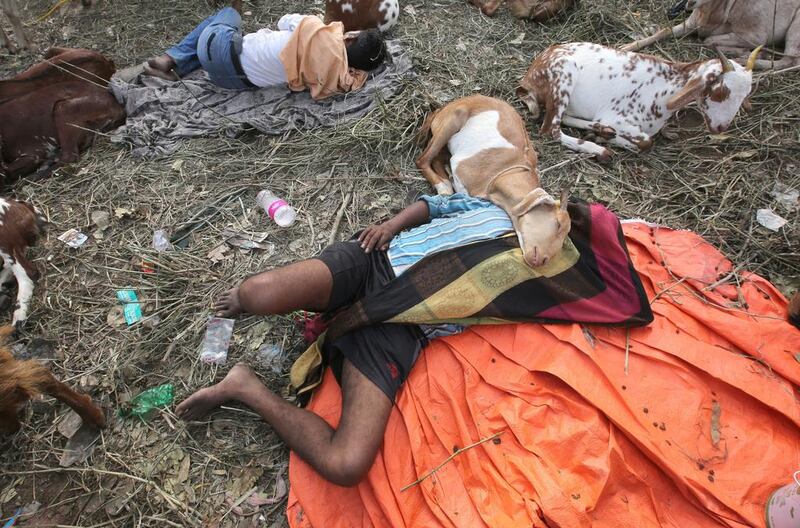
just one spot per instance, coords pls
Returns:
(146, 402)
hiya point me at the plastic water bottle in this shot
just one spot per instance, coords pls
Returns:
(281, 212)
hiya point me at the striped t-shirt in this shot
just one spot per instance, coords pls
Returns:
(455, 221)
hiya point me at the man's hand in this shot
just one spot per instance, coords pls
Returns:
(377, 236)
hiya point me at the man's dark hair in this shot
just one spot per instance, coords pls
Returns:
(367, 51)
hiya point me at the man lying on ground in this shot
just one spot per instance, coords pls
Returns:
(303, 53)
(374, 361)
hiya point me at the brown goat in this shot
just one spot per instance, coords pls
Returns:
(23, 380)
(538, 10)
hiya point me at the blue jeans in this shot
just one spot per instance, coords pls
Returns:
(209, 46)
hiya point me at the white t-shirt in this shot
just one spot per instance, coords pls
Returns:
(261, 52)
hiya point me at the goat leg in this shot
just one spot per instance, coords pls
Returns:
(5, 42)
(678, 31)
(19, 30)
(24, 290)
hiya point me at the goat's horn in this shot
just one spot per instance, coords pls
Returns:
(751, 61)
(725, 61)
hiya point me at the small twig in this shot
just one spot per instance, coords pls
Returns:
(627, 348)
(339, 216)
(451, 457)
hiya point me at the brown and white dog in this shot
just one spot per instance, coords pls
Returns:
(20, 227)
(491, 156)
(358, 15)
(23, 380)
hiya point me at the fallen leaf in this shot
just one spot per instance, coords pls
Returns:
(218, 254)
(456, 82)
(719, 138)
(183, 471)
(520, 38)
(122, 212)
(116, 317)
(716, 413)
(101, 220)
(70, 424)
(80, 446)
(177, 164)
(745, 154)
(410, 10)
(460, 46)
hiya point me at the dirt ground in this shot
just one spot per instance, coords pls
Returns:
(164, 472)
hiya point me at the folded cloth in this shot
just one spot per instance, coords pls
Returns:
(315, 59)
(592, 281)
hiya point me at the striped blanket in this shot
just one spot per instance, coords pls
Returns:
(592, 281)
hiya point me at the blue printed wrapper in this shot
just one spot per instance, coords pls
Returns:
(133, 313)
(127, 296)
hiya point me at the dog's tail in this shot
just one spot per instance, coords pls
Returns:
(794, 310)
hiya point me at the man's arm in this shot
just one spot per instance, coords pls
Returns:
(379, 235)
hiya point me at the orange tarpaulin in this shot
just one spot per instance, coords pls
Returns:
(702, 427)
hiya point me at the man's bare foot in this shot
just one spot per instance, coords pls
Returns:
(240, 380)
(164, 62)
(149, 70)
(228, 305)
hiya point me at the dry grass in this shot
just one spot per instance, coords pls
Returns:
(693, 181)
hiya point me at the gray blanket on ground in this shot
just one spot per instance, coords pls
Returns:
(162, 113)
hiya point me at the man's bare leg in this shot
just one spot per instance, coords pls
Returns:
(343, 455)
(304, 285)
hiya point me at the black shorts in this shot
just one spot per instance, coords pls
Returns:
(385, 352)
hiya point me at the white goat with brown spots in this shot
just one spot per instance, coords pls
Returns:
(628, 97)
(20, 227)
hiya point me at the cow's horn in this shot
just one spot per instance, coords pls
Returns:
(725, 61)
(751, 61)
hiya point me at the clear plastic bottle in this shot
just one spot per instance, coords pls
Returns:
(281, 212)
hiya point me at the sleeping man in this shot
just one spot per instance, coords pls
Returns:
(374, 360)
(304, 53)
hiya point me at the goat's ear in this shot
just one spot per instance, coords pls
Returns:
(564, 198)
(687, 94)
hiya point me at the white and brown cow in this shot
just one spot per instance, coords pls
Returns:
(628, 97)
(20, 227)
(357, 15)
(490, 155)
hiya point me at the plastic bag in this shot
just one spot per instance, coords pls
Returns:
(217, 340)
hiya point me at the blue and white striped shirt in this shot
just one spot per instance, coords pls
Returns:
(456, 220)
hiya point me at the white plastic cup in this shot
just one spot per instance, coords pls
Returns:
(281, 212)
